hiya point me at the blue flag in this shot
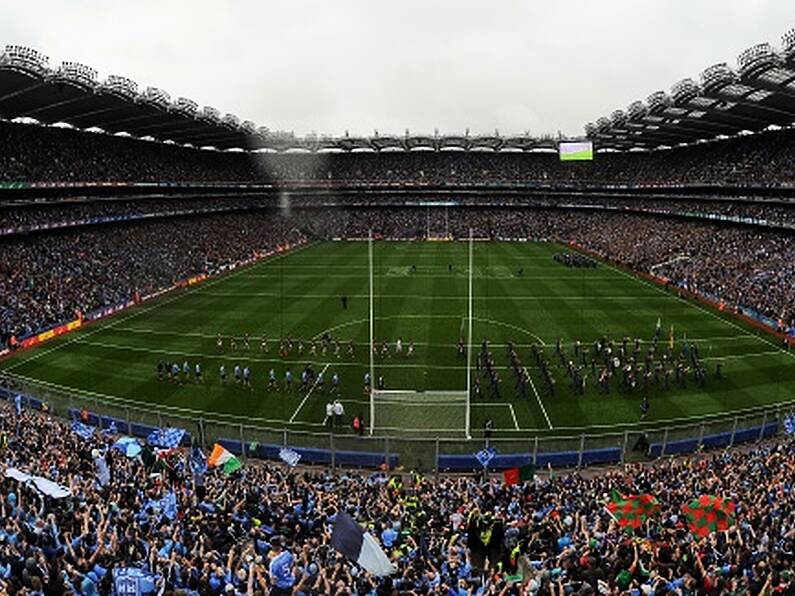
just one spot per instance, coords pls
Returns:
(198, 464)
(84, 431)
(18, 403)
(289, 456)
(169, 505)
(789, 425)
(484, 456)
(131, 581)
(168, 438)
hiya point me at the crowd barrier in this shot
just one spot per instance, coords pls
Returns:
(426, 454)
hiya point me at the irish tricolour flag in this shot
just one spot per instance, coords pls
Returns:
(220, 457)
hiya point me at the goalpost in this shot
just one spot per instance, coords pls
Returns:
(433, 411)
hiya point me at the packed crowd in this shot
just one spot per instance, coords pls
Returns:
(266, 529)
(46, 154)
(69, 213)
(47, 278)
(65, 213)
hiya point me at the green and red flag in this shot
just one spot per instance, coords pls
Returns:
(708, 514)
(520, 474)
(632, 511)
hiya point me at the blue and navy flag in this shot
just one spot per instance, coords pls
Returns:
(789, 425)
(289, 456)
(18, 403)
(131, 581)
(169, 505)
(84, 431)
(198, 463)
(349, 539)
(166, 505)
(484, 456)
(167, 438)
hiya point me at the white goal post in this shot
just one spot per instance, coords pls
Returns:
(398, 405)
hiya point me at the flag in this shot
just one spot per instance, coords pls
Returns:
(168, 438)
(128, 446)
(198, 463)
(169, 505)
(632, 511)
(708, 514)
(166, 505)
(520, 474)
(103, 473)
(484, 456)
(349, 539)
(84, 431)
(220, 457)
(289, 456)
(18, 403)
(789, 425)
(43, 485)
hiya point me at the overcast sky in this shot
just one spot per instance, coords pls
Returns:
(333, 65)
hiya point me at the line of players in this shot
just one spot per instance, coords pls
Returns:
(241, 376)
(316, 347)
(636, 369)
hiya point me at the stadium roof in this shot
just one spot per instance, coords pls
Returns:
(73, 94)
(758, 93)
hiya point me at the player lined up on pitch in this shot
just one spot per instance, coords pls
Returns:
(321, 347)
(638, 366)
(241, 376)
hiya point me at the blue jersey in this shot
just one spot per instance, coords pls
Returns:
(281, 570)
(272, 375)
(335, 379)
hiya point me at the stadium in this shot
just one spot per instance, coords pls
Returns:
(255, 362)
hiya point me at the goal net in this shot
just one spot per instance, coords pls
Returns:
(438, 412)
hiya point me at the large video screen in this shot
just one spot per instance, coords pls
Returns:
(581, 151)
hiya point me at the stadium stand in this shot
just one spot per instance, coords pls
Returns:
(196, 531)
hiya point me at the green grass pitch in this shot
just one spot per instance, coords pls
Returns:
(420, 296)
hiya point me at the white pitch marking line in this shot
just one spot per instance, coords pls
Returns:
(308, 393)
(699, 308)
(513, 415)
(219, 417)
(540, 402)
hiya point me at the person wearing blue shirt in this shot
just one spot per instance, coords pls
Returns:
(281, 569)
(388, 537)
